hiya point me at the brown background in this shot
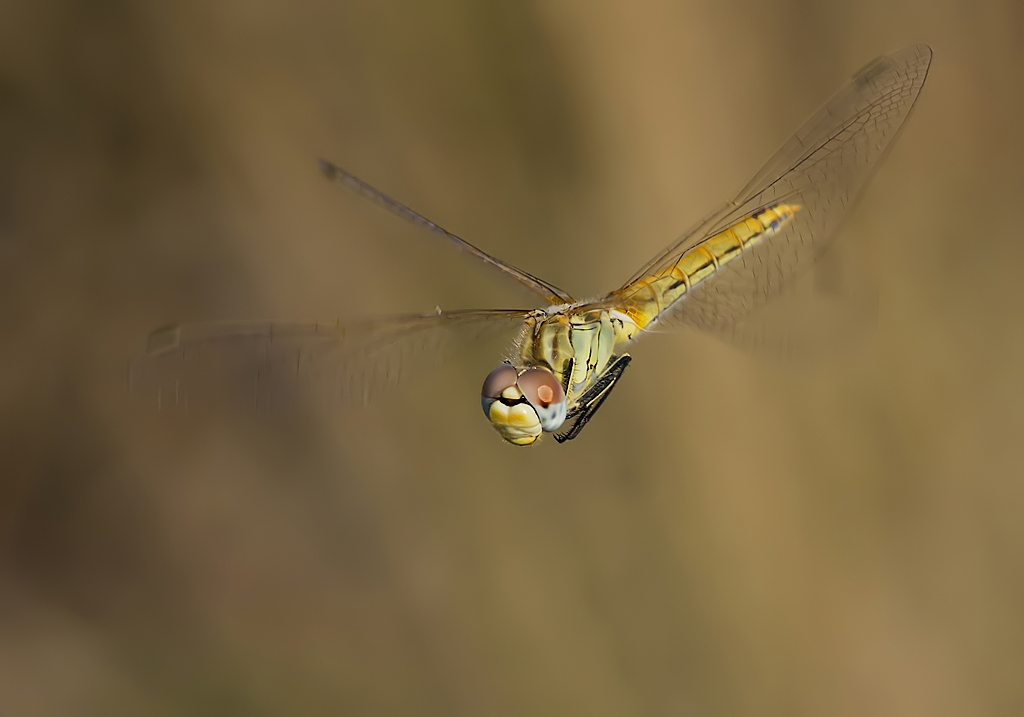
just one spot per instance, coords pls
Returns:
(725, 539)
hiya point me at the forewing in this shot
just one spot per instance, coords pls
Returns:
(549, 292)
(822, 168)
(280, 365)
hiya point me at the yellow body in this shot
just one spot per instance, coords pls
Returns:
(577, 341)
(571, 354)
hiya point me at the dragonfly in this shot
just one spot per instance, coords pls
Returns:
(568, 355)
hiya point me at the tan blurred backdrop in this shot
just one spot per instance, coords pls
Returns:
(724, 539)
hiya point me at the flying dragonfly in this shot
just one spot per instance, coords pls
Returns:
(571, 354)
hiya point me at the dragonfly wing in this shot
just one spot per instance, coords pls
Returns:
(822, 170)
(820, 314)
(549, 292)
(277, 365)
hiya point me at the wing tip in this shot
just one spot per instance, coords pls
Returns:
(328, 168)
(919, 55)
(163, 340)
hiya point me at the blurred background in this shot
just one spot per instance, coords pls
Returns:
(726, 538)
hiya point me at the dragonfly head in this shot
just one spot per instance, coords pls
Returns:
(523, 403)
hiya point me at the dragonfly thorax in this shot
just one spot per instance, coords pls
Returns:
(576, 344)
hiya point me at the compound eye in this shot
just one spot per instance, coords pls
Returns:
(498, 380)
(545, 394)
(540, 387)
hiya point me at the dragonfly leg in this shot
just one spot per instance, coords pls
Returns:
(567, 375)
(594, 397)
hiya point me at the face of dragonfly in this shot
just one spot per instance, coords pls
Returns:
(523, 403)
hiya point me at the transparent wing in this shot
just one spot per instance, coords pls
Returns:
(276, 365)
(549, 292)
(822, 168)
(819, 315)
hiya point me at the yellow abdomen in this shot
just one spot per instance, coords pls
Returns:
(647, 297)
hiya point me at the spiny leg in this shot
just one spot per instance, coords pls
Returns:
(594, 397)
(570, 366)
(603, 385)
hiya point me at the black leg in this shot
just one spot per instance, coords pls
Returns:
(594, 397)
(567, 375)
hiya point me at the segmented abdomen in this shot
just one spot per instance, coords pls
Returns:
(647, 297)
